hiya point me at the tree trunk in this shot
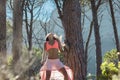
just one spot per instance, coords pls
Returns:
(114, 28)
(17, 29)
(29, 26)
(3, 27)
(97, 38)
(71, 21)
(87, 44)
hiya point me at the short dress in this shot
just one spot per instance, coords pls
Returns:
(54, 65)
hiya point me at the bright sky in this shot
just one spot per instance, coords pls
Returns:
(47, 10)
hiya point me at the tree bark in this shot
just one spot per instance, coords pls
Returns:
(97, 38)
(114, 28)
(3, 27)
(17, 29)
(87, 45)
(29, 26)
(71, 20)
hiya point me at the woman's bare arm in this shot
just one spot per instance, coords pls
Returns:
(60, 46)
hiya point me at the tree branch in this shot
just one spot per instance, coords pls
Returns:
(58, 8)
(98, 4)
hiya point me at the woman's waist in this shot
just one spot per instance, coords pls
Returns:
(53, 50)
(53, 60)
(53, 57)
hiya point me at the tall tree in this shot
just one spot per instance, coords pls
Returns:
(71, 20)
(3, 27)
(17, 29)
(86, 3)
(29, 27)
(87, 45)
(97, 37)
(31, 13)
(114, 28)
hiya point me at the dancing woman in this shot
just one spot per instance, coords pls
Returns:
(52, 46)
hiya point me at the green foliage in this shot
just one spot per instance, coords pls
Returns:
(117, 77)
(109, 66)
(38, 52)
(119, 65)
(85, 2)
(109, 69)
(9, 60)
(61, 56)
(9, 29)
(111, 56)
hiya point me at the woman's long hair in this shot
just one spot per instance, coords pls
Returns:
(55, 37)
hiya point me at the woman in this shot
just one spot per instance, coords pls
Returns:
(52, 46)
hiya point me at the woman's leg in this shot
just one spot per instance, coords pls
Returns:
(48, 74)
(63, 71)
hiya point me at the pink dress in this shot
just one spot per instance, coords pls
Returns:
(54, 65)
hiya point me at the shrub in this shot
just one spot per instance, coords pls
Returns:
(109, 66)
(9, 60)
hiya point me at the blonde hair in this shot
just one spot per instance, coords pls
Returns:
(54, 36)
